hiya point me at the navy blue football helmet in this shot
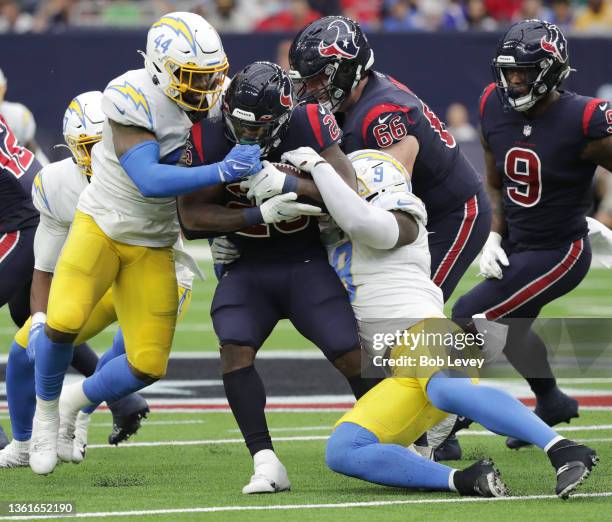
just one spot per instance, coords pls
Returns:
(537, 50)
(327, 60)
(257, 105)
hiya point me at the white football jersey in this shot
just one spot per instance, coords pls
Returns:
(112, 199)
(55, 193)
(385, 284)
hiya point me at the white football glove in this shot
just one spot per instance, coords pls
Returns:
(284, 207)
(492, 255)
(267, 183)
(304, 158)
(223, 251)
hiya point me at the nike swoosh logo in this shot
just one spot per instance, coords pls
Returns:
(321, 109)
(403, 203)
(603, 106)
(383, 120)
(120, 111)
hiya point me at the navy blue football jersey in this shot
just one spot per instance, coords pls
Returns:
(310, 125)
(18, 167)
(386, 112)
(546, 183)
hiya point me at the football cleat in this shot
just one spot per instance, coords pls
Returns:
(79, 447)
(127, 416)
(3, 439)
(43, 444)
(574, 463)
(65, 436)
(554, 410)
(270, 475)
(15, 455)
(481, 479)
(450, 449)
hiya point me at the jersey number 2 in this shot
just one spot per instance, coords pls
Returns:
(14, 158)
(523, 166)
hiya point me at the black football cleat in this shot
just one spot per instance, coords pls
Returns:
(448, 450)
(127, 416)
(481, 479)
(3, 439)
(574, 463)
(554, 408)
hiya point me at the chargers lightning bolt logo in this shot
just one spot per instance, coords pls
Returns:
(75, 108)
(180, 28)
(40, 190)
(129, 92)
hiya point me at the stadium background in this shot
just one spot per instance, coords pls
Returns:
(70, 47)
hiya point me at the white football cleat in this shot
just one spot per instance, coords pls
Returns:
(270, 475)
(43, 444)
(71, 402)
(15, 455)
(79, 448)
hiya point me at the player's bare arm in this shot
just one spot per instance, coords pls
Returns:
(494, 189)
(126, 136)
(405, 151)
(600, 152)
(39, 292)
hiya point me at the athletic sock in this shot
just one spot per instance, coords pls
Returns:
(112, 382)
(493, 408)
(52, 361)
(246, 395)
(20, 392)
(355, 451)
(84, 360)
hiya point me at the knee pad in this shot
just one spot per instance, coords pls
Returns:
(150, 362)
(66, 317)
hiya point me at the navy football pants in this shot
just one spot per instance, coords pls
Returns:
(456, 239)
(16, 267)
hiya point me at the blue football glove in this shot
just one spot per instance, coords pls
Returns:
(242, 161)
(33, 335)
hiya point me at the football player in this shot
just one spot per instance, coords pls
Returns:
(282, 271)
(125, 224)
(384, 241)
(542, 145)
(21, 121)
(332, 61)
(56, 190)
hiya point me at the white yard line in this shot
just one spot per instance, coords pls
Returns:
(294, 507)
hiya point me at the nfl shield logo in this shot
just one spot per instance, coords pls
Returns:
(527, 130)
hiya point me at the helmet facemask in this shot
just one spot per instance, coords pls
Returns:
(81, 150)
(243, 129)
(195, 88)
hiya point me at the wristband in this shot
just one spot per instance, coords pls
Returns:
(253, 216)
(290, 184)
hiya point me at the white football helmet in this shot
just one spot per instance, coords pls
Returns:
(186, 60)
(83, 121)
(378, 173)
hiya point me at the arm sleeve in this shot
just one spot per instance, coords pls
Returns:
(48, 242)
(363, 222)
(155, 180)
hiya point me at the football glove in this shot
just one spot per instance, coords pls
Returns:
(304, 158)
(223, 251)
(240, 162)
(492, 255)
(265, 184)
(284, 207)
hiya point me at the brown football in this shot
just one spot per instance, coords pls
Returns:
(292, 171)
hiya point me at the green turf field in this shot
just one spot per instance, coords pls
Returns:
(195, 332)
(195, 464)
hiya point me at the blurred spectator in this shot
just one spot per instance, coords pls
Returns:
(13, 19)
(532, 9)
(296, 15)
(401, 15)
(477, 16)
(458, 123)
(228, 16)
(502, 10)
(431, 12)
(595, 18)
(562, 14)
(454, 17)
(122, 13)
(53, 14)
(282, 53)
(326, 7)
(366, 12)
